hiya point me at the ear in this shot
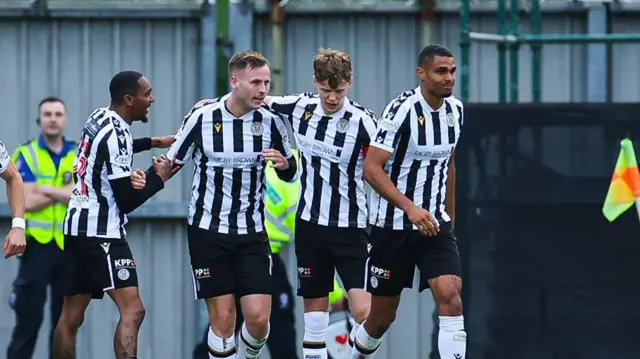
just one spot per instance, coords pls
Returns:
(315, 82)
(421, 74)
(233, 81)
(128, 100)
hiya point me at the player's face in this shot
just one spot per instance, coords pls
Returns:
(439, 76)
(53, 118)
(251, 86)
(141, 103)
(332, 99)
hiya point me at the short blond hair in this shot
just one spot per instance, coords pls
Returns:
(247, 59)
(333, 66)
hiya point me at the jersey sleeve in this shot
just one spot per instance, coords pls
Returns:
(5, 159)
(280, 137)
(369, 133)
(118, 157)
(285, 105)
(390, 125)
(182, 149)
(25, 171)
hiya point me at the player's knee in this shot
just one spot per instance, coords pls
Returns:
(359, 310)
(450, 303)
(258, 320)
(133, 313)
(70, 321)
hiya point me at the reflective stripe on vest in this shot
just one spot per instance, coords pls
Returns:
(46, 224)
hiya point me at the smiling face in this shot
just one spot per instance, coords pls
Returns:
(141, 102)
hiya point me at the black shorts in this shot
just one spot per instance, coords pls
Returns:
(229, 264)
(395, 254)
(98, 265)
(321, 250)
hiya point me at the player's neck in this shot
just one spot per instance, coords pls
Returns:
(235, 108)
(435, 102)
(120, 111)
(55, 143)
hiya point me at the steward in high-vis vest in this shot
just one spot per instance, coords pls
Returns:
(46, 166)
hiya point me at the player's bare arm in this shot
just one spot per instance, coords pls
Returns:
(57, 194)
(375, 175)
(15, 241)
(34, 198)
(450, 200)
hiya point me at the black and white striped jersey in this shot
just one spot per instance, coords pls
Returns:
(105, 153)
(421, 140)
(332, 150)
(227, 195)
(5, 159)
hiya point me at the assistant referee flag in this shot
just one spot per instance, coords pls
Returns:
(625, 183)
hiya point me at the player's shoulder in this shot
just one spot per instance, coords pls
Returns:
(454, 101)
(267, 112)
(402, 102)
(25, 144)
(361, 111)
(205, 105)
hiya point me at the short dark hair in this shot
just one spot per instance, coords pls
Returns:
(247, 59)
(428, 53)
(122, 84)
(51, 99)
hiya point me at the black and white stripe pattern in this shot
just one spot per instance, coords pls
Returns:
(332, 149)
(228, 178)
(105, 153)
(421, 141)
(5, 159)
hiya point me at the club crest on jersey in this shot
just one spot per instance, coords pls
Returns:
(421, 120)
(256, 128)
(66, 177)
(343, 125)
(450, 119)
(218, 127)
(307, 115)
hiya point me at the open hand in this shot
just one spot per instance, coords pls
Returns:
(424, 220)
(278, 160)
(138, 179)
(14, 243)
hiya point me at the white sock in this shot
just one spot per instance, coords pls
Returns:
(364, 345)
(352, 335)
(221, 348)
(314, 345)
(248, 346)
(452, 339)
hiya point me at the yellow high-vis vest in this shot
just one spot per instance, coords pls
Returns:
(46, 224)
(281, 204)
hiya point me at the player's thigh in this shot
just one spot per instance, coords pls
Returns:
(439, 257)
(86, 267)
(391, 265)
(351, 255)
(212, 264)
(253, 266)
(316, 267)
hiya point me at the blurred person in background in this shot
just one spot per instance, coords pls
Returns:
(14, 242)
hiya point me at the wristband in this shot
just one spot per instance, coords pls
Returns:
(18, 223)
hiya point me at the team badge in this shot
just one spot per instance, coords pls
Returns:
(256, 128)
(450, 119)
(343, 125)
(66, 177)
